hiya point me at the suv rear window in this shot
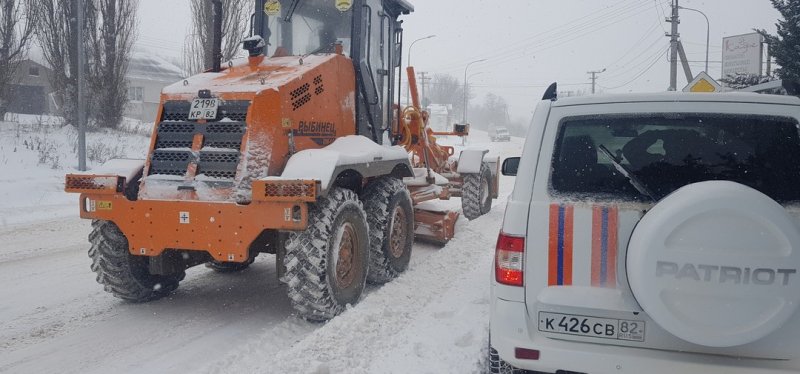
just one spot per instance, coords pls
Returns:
(665, 152)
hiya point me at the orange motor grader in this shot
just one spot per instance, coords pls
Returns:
(298, 150)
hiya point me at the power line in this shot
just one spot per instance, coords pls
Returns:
(625, 75)
(559, 41)
(640, 74)
(567, 30)
(624, 70)
(644, 36)
(660, 15)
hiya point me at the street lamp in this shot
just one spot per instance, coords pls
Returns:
(474, 74)
(708, 31)
(466, 100)
(408, 89)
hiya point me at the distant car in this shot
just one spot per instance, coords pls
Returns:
(500, 134)
(652, 234)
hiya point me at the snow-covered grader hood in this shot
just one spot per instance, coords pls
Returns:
(267, 109)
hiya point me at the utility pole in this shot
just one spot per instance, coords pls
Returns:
(80, 78)
(594, 78)
(673, 54)
(208, 47)
(424, 79)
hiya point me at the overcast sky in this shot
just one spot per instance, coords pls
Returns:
(529, 44)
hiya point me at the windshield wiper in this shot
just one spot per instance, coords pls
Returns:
(290, 11)
(633, 179)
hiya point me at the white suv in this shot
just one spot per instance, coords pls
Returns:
(653, 233)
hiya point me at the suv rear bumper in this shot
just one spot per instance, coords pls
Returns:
(223, 229)
(509, 329)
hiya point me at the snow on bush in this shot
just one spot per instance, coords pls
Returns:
(37, 151)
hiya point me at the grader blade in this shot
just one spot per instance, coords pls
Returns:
(435, 226)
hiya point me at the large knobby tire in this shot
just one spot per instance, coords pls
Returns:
(326, 264)
(122, 274)
(230, 267)
(390, 215)
(476, 195)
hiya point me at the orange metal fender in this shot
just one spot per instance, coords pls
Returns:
(223, 229)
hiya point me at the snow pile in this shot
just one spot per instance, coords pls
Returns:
(239, 76)
(319, 164)
(35, 154)
(356, 148)
(432, 319)
(147, 66)
(421, 178)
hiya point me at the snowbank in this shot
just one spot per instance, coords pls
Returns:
(35, 154)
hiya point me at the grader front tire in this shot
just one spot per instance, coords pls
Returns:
(326, 264)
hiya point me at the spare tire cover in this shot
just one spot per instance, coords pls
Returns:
(716, 264)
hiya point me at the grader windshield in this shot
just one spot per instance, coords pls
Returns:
(300, 27)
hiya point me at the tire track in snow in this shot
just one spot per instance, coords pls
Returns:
(375, 335)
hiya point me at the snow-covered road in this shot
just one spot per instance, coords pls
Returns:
(54, 317)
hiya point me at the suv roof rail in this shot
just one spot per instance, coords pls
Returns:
(551, 93)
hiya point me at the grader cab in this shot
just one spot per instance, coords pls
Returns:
(298, 150)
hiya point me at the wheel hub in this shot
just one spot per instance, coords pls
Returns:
(399, 232)
(345, 266)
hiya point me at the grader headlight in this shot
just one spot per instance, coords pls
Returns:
(286, 190)
(94, 184)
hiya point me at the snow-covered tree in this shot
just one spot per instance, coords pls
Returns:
(112, 32)
(783, 46)
(198, 51)
(17, 25)
(447, 90)
(739, 81)
(493, 112)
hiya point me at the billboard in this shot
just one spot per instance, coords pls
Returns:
(742, 54)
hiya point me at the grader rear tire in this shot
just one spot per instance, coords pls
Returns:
(476, 198)
(390, 215)
(326, 265)
(122, 274)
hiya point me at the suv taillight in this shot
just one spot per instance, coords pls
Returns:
(508, 259)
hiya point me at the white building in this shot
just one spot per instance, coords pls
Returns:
(439, 118)
(147, 75)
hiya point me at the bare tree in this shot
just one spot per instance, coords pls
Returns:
(57, 36)
(447, 90)
(112, 30)
(198, 50)
(17, 26)
(493, 112)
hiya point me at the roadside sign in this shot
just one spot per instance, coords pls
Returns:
(703, 83)
(742, 54)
